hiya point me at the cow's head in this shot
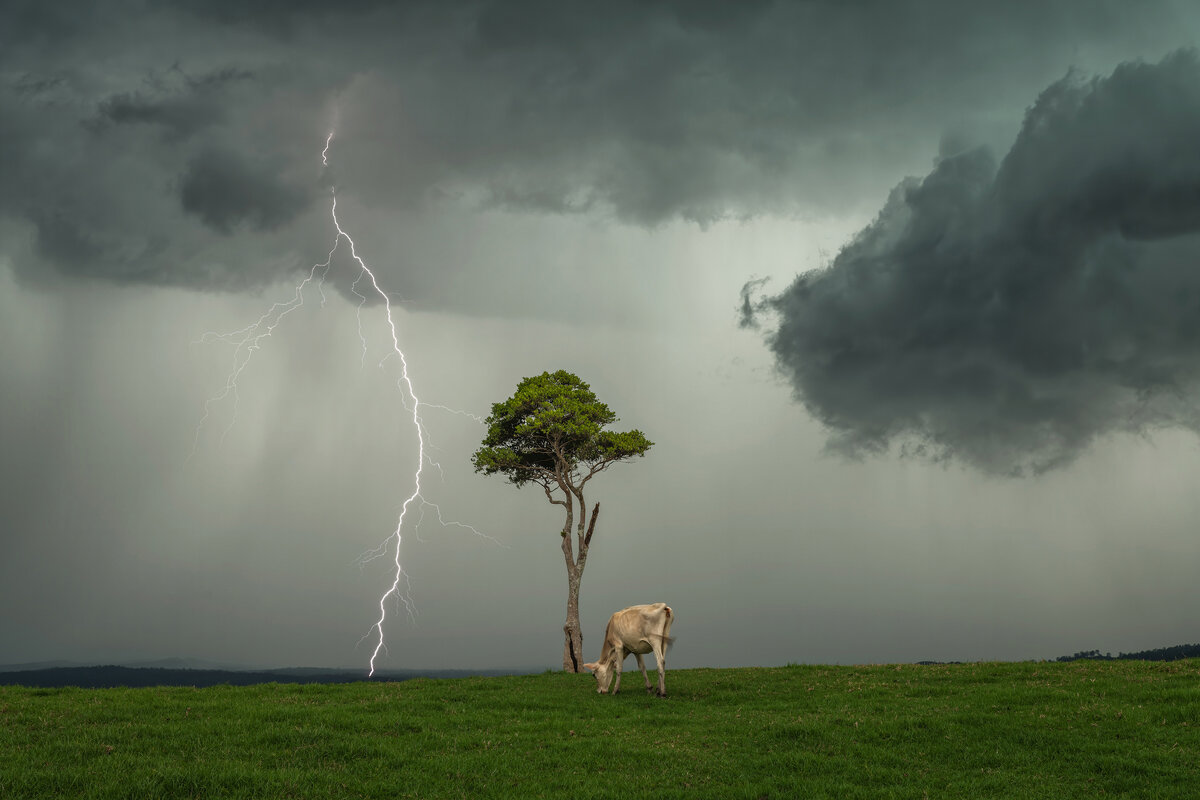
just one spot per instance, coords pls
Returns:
(603, 673)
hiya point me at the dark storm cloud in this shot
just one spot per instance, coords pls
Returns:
(709, 111)
(1007, 314)
(280, 17)
(180, 110)
(226, 191)
(646, 112)
(143, 185)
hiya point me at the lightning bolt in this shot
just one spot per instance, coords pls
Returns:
(250, 339)
(394, 589)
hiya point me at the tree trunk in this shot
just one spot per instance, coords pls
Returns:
(573, 636)
(572, 633)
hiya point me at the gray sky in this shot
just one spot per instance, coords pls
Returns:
(960, 425)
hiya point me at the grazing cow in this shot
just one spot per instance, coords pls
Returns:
(638, 630)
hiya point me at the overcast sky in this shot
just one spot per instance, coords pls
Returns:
(905, 293)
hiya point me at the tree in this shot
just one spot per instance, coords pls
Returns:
(551, 433)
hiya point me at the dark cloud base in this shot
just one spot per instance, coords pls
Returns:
(177, 143)
(1008, 314)
(225, 192)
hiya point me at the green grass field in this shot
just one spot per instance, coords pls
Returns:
(1028, 730)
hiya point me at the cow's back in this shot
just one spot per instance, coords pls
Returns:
(637, 628)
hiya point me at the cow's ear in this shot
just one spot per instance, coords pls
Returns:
(590, 667)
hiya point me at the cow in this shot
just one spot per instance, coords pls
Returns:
(638, 630)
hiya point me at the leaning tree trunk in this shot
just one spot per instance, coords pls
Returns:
(572, 633)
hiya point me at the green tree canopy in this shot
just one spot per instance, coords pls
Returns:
(551, 432)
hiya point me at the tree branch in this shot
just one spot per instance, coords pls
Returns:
(582, 522)
(587, 540)
(563, 478)
(599, 466)
(568, 550)
(550, 497)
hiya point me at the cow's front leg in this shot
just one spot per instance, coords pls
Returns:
(645, 677)
(618, 659)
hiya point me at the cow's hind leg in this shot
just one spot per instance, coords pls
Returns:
(645, 677)
(660, 652)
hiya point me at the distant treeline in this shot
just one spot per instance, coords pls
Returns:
(110, 676)
(1159, 654)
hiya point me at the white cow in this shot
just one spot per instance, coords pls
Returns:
(638, 630)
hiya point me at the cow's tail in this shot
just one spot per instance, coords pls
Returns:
(668, 640)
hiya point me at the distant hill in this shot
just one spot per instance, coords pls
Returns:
(111, 675)
(1159, 654)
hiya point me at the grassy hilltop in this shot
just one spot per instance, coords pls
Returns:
(1027, 730)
